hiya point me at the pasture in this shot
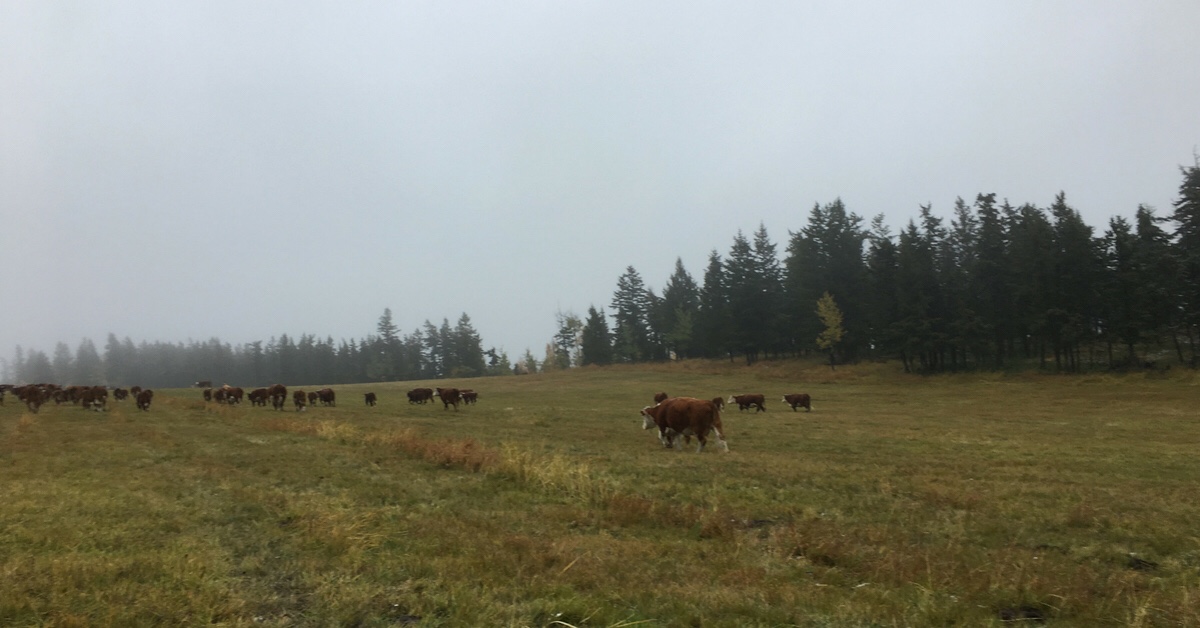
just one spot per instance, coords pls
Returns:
(972, 500)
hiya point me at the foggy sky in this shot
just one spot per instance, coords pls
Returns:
(184, 170)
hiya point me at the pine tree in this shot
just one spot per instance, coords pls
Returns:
(1186, 217)
(631, 311)
(713, 325)
(468, 348)
(63, 364)
(595, 340)
(89, 368)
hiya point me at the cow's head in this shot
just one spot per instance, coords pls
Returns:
(647, 419)
(731, 399)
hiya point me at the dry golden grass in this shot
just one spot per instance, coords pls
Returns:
(989, 499)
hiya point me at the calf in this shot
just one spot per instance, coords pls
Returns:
(745, 401)
(798, 400)
(469, 397)
(685, 416)
(258, 397)
(369, 398)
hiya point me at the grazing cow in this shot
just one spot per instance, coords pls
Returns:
(450, 397)
(257, 397)
(144, 398)
(300, 399)
(420, 395)
(685, 416)
(204, 383)
(369, 398)
(797, 400)
(745, 401)
(469, 396)
(278, 395)
(313, 397)
(660, 397)
(327, 397)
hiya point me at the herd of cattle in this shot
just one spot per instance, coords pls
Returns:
(688, 416)
(673, 416)
(34, 396)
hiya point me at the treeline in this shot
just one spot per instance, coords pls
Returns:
(427, 353)
(993, 287)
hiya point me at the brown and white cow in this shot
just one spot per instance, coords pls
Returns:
(234, 395)
(685, 416)
(144, 398)
(32, 395)
(120, 394)
(327, 397)
(369, 398)
(313, 397)
(450, 397)
(94, 398)
(799, 400)
(278, 395)
(300, 400)
(745, 401)
(469, 396)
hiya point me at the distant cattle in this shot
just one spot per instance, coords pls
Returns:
(450, 397)
(208, 394)
(119, 394)
(420, 395)
(258, 397)
(685, 416)
(469, 396)
(660, 397)
(300, 399)
(219, 395)
(278, 395)
(234, 394)
(369, 398)
(312, 398)
(798, 400)
(327, 397)
(134, 390)
(745, 401)
(144, 398)
(204, 383)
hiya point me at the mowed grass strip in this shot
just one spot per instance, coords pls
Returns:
(958, 500)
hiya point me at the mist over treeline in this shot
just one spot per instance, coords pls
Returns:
(427, 353)
(994, 286)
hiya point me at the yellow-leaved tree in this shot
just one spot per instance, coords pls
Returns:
(831, 317)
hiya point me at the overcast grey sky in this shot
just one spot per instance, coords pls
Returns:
(182, 170)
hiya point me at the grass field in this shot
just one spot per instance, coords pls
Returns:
(970, 500)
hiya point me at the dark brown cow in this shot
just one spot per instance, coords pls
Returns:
(134, 390)
(300, 399)
(258, 397)
(685, 416)
(420, 395)
(720, 402)
(144, 398)
(798, 400)
(234, 394)
(450, 397)
(120, 394)
(94, 398)
(313, 397)
(469, 396)
(278, 395)
(219, 395)
(32, 395)
(327, 397)
(369, 398)
(661, 397)
(745, 401)
(208, 394)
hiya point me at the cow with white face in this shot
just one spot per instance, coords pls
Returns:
(687, 417)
